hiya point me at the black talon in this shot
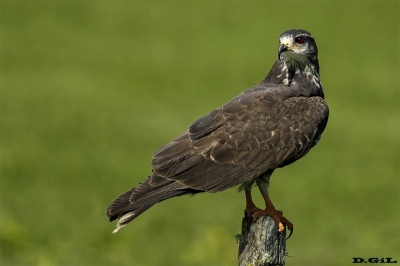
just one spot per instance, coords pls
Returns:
(291, 232)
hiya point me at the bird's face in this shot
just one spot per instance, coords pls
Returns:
(297, 47)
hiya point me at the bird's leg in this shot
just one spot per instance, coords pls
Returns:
(250, 206)
(281, 221)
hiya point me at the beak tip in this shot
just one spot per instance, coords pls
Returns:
(282, 48)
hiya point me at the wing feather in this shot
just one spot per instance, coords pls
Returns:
(253, 133)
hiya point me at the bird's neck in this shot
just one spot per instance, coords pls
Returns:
(305, 78)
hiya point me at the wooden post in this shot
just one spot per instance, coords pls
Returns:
(260, 243)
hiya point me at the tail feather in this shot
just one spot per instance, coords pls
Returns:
(134, 202)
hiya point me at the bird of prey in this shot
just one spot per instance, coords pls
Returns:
(268, 126)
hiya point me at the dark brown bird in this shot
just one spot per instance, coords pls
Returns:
(268, 126)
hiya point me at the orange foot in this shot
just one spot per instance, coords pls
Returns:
(278, 217)
(253, 211)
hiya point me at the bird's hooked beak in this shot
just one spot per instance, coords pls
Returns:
(282, 48)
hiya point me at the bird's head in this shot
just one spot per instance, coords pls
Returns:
(297, 48)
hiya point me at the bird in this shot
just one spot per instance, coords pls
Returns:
(268, 126)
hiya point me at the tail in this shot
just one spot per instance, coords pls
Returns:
(134, 202)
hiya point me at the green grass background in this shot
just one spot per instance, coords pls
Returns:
(89, 89)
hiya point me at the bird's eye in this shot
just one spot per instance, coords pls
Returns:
(299, 40)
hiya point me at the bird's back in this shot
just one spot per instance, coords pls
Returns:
(265, 127)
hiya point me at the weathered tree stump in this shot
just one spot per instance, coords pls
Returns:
(260, 243)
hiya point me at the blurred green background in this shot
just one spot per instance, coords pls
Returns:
(89, 89)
